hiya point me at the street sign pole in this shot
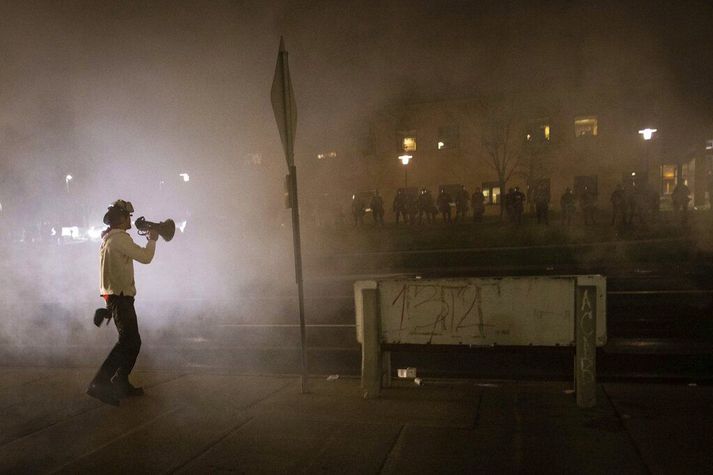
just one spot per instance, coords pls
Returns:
(298, 271)
(283, 104)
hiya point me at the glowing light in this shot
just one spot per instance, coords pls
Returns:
(53, 232)
(94, 233)
(405, 158)
(70, 231)
(185, 176)
(68, 178)
(647, 133)
(441, 145)
(547, 132)
(322, 156)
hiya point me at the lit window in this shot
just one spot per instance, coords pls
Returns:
(584, 126)
(491, 192)
(447, 137)
(408, 144)
(320, 156)
(538, 132)
(668, 177)
(495, 195)
(709, 144)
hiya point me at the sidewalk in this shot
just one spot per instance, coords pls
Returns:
(207, 423)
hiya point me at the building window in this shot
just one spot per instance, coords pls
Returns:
(709, 146)
(407, 141)
(685, 172)
(668, 178)
(447, 138)
(538, 132)
(585, 126)
(491, 192)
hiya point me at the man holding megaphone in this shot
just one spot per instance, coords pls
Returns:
(117, 255)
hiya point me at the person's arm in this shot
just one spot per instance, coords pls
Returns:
(127, 246)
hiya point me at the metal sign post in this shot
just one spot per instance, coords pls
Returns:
(283, 105)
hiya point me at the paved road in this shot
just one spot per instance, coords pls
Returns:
(207, 423)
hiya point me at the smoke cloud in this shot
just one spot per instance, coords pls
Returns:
(126, 96)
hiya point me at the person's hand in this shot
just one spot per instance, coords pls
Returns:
(153, 234)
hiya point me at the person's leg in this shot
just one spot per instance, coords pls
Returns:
(113, 360)
(101, 386)
(130, 342)
(129, 339)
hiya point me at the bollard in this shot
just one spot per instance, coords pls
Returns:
(371, 364)
(586, 343)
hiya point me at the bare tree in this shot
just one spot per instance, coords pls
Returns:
(536, 163)
(502, 140)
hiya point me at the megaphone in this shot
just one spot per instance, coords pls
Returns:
(166, 229)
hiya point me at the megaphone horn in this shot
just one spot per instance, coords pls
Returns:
(166, 229)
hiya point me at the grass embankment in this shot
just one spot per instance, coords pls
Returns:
(504, 243)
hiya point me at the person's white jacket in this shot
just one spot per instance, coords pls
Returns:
(117, 255)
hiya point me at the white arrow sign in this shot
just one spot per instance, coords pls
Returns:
(283, 104)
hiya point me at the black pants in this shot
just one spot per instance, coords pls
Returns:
(123, 356)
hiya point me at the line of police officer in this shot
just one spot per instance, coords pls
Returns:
(413, 208)
(627, 204)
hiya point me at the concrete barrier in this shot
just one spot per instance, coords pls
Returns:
(504, 311)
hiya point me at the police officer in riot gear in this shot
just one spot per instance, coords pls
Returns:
(444, 205)
(462, 199)
(358, 210)
(477, 202)
(542, 203)
(377, 208)
(399, 206)
(567, 204)
(518, 204)
(618, 205)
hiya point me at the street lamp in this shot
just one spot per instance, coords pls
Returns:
(67, 179)
(648, 134)
(405, 158)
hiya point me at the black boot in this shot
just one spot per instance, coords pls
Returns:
(104, 392)
(123, 388)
